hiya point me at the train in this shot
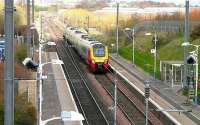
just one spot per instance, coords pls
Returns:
(2, 49)
(93, 52)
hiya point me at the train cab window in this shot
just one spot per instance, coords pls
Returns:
(99, 50)
(73, 28)
(85, 37)
(78, 32)
(91, 39)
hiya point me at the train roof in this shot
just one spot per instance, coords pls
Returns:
(76, 29)
(83, 36)
(73, 28)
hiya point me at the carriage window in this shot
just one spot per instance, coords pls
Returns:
(99, 50)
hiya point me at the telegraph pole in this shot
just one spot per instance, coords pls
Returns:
(186, 40)
(117, 28)
(133, 35)
(33, 30)
(33, 11)
(28, 40)
(155, 54)
(41, 28)
(9, 64)
(115, 99)
(88, 23)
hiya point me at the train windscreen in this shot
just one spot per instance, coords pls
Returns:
(99, 50)
(2, 44)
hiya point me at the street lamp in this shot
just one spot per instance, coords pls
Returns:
(154, 51)
(112, 45)
(117, 28)
(41, 77)
(66, 116)
(186, 44)
(33, 28)
(133, 38)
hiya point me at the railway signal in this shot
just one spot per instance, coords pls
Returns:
(147, 95)
(191, 94)
(191, 59)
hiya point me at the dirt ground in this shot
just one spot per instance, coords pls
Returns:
(20, 72)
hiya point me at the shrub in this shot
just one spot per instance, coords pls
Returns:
(20, 53)
(25, 113)
(195, 34)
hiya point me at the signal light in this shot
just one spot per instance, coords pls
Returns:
(191, 93)
(191, 59)
(147, 91)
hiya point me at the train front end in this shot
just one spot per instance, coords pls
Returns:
(99, 58)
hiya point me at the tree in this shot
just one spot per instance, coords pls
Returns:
(195, 34)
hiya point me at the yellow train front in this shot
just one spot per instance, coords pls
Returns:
(98, 58)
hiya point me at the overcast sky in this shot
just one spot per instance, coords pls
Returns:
(194, 2)
(180, 1)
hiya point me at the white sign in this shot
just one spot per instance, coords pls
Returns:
(153, 51)
(71, 116)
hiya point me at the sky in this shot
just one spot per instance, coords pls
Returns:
(193, 2)
(180, 1)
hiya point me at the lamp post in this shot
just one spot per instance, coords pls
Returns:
(28, 28)
(41, 77)
(186, 40)
(33, 28)
(154, 51)
(112, 45)
(33, 11)
(115, 80)
(133, 33)
(133, 39)
(196, 67)
(117, 28)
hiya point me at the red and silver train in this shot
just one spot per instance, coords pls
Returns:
(92, 51)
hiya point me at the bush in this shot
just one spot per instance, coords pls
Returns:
(25, 113)
(20, 53)
(195, 34)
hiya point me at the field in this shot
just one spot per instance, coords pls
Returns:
(105, 23)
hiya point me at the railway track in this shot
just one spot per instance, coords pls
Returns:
(85, 101)
(132, 107)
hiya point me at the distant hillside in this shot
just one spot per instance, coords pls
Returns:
(143, 4)
(92, 4)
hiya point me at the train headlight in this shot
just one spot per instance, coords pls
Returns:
(93, 61)
(105, 61)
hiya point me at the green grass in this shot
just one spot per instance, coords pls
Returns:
(185, 93)
(142, 59)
